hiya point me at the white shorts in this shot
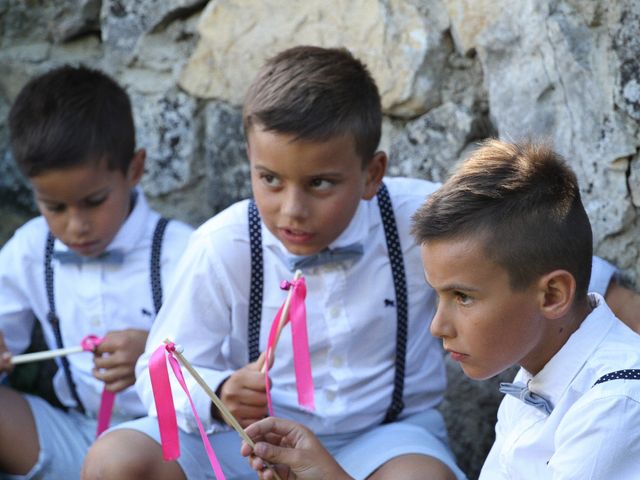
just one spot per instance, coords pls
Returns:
(359, 453)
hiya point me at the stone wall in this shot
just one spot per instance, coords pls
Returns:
(451, 72)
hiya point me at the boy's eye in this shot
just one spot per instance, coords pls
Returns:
(270, 180)
(463, 298)
(94, 202)
(321, 183)
(54, 207)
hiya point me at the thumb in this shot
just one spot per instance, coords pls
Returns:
(259, 364)
(276, 455)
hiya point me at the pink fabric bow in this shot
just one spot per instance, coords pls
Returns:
(163, 398)
(301, 359)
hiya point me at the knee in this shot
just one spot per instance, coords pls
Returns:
(116, 455)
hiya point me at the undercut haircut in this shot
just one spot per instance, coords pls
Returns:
(316, 94)
(523, 202)
(71, 116)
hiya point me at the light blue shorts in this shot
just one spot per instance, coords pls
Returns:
(64, 440)
(359, 453)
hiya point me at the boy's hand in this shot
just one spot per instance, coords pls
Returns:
(5, 357)
(115, 358)
(244, 394)
(291, 445)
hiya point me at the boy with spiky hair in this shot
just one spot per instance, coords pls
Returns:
(93, 263)
(506, 245)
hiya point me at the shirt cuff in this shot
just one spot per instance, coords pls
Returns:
(601, 274)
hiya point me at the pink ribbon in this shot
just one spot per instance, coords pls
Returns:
(163, 398)
(89, 344)
(301, 359)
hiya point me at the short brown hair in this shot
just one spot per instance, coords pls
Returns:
(316, 94)
(69, 116)
(524, 202)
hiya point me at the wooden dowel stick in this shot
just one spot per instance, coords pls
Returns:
(283, 320)
(44, 355)
(226, 414)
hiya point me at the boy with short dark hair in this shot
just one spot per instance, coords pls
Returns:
(312, 121)
(506, 244)
(95, 262)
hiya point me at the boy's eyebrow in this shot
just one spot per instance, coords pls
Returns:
(452, 286)
(459, 286)
(318, 174)
(101, 191)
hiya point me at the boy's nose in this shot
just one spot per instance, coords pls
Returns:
(441, 327)
(79, 224)
(294, 204)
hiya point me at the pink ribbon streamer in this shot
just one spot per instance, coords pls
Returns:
(163, 398)
(89, 344)
(301, 359)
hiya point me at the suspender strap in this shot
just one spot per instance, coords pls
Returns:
(631, 374)
(156, 250)
(400, 285)
(257, 280)
(54, 321)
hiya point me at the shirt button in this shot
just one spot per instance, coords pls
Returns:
(337, 362)
(330, 395)
(334, 312)
(95, 321)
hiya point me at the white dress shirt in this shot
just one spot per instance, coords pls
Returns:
(351, 324)
(91, 298)
(593, 432)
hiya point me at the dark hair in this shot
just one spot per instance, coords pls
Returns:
(315, 94)
(523, 201)
(70, 116)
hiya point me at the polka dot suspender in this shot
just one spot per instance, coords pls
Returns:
(399, 283)
(52, 316)
(632, 374)
(154, 267)
(257, 277)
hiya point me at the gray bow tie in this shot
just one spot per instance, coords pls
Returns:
(69, 257)
(327, 255)
(521, 391)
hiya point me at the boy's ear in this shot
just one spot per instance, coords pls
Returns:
(136, 167)
(375, 171)
(558, 291)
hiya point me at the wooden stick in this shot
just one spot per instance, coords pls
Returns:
(226, 414)
(283, 320)
(44, 355)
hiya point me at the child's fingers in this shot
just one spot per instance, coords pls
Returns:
(5, 356)
(110, 374)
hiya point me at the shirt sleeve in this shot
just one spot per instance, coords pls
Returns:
(601, 273)
(16, 314)
(599, 439)
(195, 315)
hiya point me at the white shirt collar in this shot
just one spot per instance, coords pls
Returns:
(556, 376)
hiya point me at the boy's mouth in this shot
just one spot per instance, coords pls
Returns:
(456, 356)
(85, 248)
(295, 236)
